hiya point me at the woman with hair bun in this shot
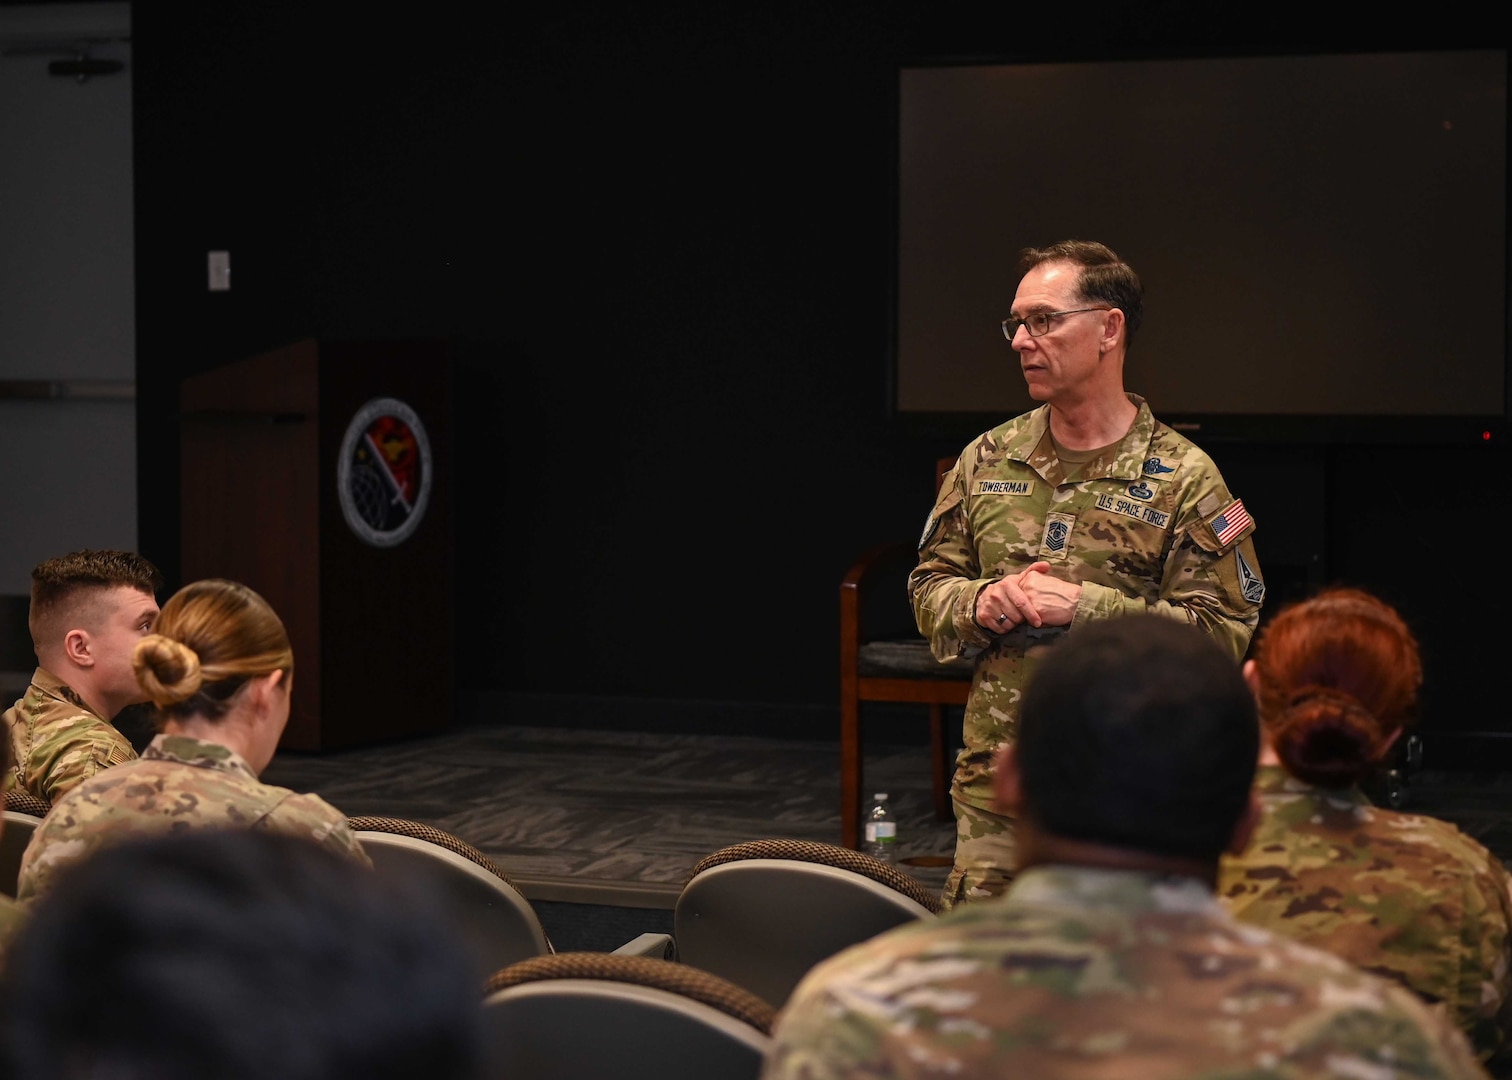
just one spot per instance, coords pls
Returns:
(1403, 895)
(218, 667)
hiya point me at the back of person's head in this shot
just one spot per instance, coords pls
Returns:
(1104, 277)
(210, 638)
(63, 588)
(1337, 677)
(1140, 733)
(238, 955)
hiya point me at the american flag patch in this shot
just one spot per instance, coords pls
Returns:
(1232, 520)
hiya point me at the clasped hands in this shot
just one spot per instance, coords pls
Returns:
(1031, 596)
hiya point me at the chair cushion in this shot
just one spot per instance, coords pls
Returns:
(906, 659)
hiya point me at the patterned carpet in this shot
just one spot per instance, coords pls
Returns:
(619, 817)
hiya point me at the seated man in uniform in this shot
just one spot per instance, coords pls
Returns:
(11, 913)
(1109, 954)
(88, 611)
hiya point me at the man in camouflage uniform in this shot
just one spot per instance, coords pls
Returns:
(178, 783)
(88, 611)
(1084, 509)
(1109, 955)
(1403, 895)
(11, 913)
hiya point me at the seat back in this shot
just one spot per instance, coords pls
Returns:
(24, 802)
(14, 836)
(488, 911)
(598, 1014)
(762, 914)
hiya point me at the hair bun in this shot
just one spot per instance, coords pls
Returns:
(168, 670)
(1327, 737)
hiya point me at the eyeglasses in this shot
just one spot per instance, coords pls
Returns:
(1038, 324)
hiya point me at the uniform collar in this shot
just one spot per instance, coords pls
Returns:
(55, 687)
(1275, 780)
(1086, 887)
(190, 751)
(1033, 446)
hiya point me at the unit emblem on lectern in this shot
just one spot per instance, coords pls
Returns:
(383, 473)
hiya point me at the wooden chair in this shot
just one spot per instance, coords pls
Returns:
(892, 669)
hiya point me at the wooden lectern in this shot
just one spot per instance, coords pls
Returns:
(320, 474)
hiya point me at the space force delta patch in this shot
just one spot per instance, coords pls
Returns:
(1249, 581)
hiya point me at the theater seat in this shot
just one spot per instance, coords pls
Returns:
(762, 913)
(599, 1015)
(23, 813)
(486, 907)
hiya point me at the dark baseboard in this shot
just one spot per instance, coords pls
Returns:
(883, 722)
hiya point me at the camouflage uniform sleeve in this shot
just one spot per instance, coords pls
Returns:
(79, 753)
(1446, 1053)
(943, 587)
(312, 816)
(1209, 581)
(817, 1039)
(12, 915)
(1486, 937)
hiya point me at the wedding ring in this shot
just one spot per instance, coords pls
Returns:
(1002, 618)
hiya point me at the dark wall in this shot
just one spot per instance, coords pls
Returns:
(661, 242)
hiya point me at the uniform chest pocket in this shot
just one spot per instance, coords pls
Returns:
(1128, 529)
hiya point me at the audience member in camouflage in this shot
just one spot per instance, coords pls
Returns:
(1407, 896)
(179, 783)
(239, 955)
(11, 913)
(88, 611)
(1399, 894)
(57, 741)
(1098, 973)
(219, 669)
(1109, 955)
(1085, 509)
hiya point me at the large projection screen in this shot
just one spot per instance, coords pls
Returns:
(1318, 235)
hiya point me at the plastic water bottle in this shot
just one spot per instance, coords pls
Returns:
(881, 830)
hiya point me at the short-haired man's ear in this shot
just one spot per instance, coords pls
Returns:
(1244, 828)
(1007, 785)
(76, 647)
(1114, 325)
(1251, 675)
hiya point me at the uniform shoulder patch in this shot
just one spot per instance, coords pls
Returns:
(929, 526)
(1229, 522)
(1249, 581)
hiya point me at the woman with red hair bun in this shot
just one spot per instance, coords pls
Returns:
(1403, 895)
